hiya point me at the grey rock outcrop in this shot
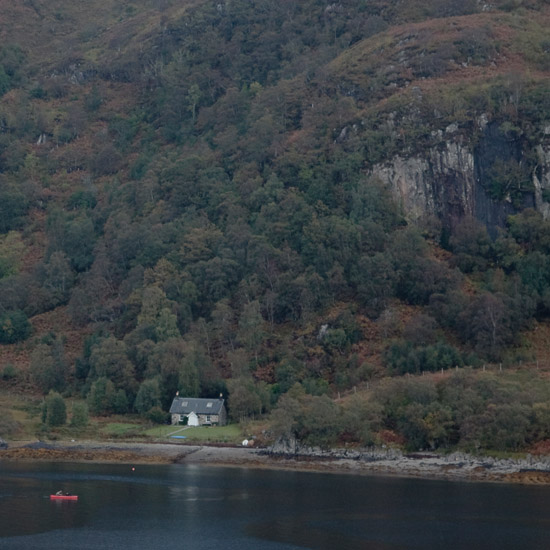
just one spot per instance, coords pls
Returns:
(391, 460)
(449, 180)
(440, 182)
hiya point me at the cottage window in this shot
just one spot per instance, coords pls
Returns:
(184, 403)
(208, 418)
(209, 404)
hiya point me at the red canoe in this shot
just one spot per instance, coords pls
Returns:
(63, 497)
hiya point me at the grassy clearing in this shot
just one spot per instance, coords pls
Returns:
(203, 434)
(121, 429)
(19, 415)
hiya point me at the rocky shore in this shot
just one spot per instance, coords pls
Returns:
(456, 466)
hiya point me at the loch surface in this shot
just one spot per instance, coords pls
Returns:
(200, 507)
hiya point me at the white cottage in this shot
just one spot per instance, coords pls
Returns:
(194, 411)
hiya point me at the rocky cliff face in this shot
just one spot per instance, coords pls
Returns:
(450, 180)
(541, 177)
(440, 182)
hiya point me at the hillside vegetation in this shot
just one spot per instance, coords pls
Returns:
(187, 204)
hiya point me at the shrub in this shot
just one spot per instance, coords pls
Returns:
(80, 415)
(14, 327)
(9, 372)
(157, 415)
(55, 411)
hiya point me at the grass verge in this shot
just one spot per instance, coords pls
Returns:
(202, 434)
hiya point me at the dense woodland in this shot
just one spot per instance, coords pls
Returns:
(188, 184)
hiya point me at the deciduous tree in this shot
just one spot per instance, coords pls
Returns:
(55, 410)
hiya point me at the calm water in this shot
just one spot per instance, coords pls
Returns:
(195, 508)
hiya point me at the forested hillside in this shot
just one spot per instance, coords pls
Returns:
(281, 202)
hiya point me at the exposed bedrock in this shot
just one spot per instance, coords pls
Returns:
(449, 181)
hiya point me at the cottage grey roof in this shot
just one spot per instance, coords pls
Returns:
(186, 405)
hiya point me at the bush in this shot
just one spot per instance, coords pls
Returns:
(80, 415)
(14, 327)
(9, 372)
(157, 415)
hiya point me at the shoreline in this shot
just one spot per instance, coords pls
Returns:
(455, 467)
